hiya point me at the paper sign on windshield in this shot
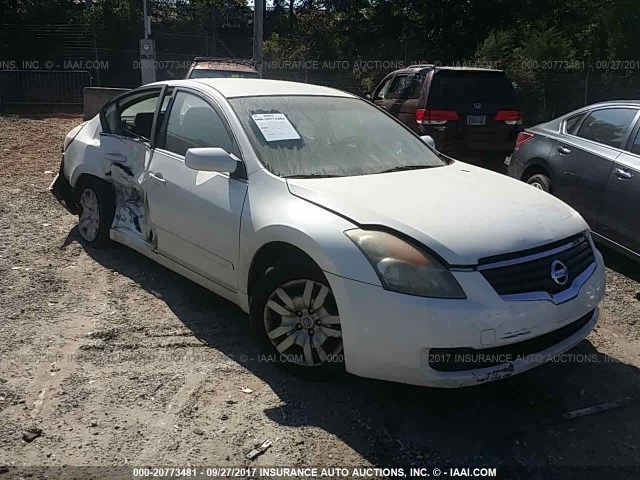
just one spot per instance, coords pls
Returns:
(275, 127)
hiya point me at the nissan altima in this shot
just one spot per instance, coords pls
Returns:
(348, 240)
(589, 158)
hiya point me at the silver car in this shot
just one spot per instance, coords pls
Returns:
(590, 158)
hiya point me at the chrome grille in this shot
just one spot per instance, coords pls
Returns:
(530, 271)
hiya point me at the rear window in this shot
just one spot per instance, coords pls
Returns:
(462, 88)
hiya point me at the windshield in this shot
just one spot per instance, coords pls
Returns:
(307, 136)
(204, 73)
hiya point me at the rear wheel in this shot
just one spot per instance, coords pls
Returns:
(97, 208)
(295, 316)
(540, 181)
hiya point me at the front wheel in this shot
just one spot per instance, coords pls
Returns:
(295, 316)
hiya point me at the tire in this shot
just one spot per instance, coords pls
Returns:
(309, 341)
(540, 181)
(96, 204)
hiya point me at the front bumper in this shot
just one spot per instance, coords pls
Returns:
(391, 336)
(515, 168)
(61, 189)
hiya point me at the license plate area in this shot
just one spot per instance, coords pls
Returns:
(476, 120)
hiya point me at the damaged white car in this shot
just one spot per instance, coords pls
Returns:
(350, 242)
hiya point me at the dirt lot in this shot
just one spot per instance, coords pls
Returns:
(121, 362)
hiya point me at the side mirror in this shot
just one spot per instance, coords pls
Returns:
(210, 160)
(428, 139)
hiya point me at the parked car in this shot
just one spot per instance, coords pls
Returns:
(210, 67)
(348, 240)
(468, 111)
(590, 158)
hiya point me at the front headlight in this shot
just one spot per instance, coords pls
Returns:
(403, 268)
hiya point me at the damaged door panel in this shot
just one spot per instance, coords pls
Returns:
(124, 163)
(125, 149)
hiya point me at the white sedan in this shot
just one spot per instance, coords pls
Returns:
(349, 241)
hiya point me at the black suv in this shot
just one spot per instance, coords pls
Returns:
(466, 110)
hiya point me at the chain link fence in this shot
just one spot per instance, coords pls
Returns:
(43, 87)
(551, 94)
(79, 57)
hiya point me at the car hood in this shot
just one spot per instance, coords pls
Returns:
(462, 212)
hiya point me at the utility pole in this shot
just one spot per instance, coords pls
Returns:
(586, 83)
(88, 5)
(147, 50)
(258, 18)
(147, 20)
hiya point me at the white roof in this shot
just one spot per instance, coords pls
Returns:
(251, 87)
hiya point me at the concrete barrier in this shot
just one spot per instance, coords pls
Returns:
(96, 97)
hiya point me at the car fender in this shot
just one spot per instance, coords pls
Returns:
(83, 155)
(288, 219)
(536, 152)
(538, 162)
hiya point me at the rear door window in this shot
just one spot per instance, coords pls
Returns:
(381, 93)
(454, 88)
(397, 86)
(572, 124)
(635, 146)
(132, 115)
(607, 126)
(413, 85)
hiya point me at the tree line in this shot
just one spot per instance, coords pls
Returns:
(537, 42)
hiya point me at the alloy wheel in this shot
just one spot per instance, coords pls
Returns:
(302, 322)
(89, 222)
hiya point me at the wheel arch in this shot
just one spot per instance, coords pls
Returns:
(270, 254)
(328, 249)
(537, 166)
(83, 177)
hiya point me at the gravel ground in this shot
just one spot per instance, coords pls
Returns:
(110, 359)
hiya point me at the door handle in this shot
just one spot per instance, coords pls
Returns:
(623, 174)
(564, 150)
(158, 178)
